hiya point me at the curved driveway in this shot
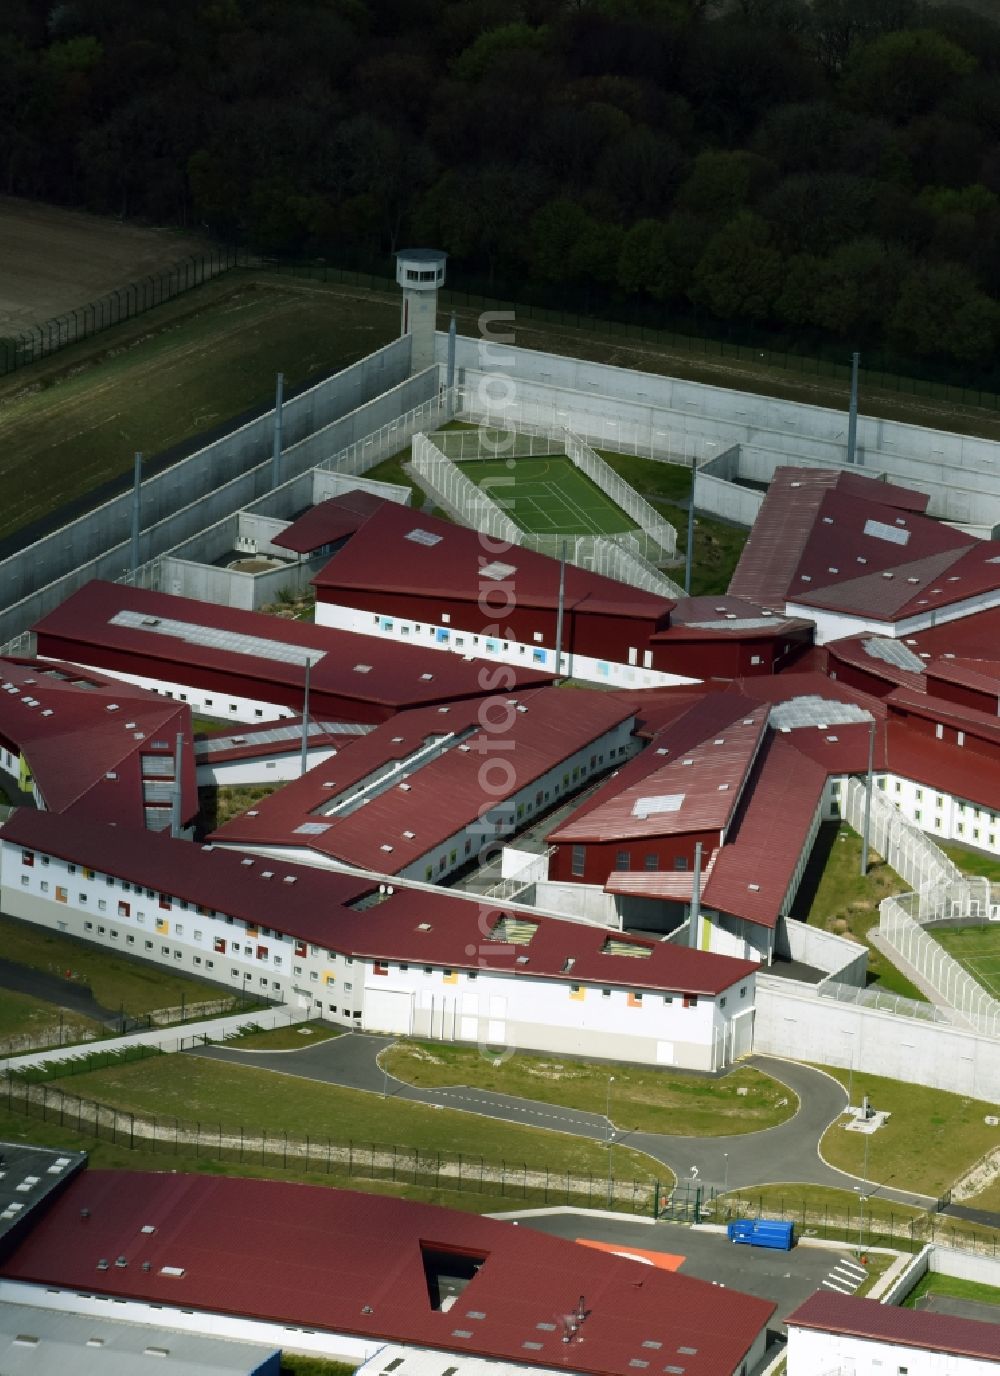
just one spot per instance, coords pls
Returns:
(785, 1154)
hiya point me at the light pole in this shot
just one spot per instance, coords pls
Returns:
(611, 1136)
(868, 798)
(725, 1157)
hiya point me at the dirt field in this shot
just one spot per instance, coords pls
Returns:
(52, 260)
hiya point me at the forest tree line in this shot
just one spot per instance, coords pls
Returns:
(823, 168)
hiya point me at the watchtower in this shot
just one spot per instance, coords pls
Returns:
(420, 272)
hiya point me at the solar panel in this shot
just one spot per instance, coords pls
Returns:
(814, 711)
(736, 623)
(894, 535)
(214, 638)
(893, 652)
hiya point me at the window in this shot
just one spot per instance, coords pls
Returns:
(102, 906)
(28, 858)
(88, 926)
(124, 909)
(579, 861)
(722, 1001)
(621, 860)
(163, 901)
(605, 993)
(44, 886)
(61, 895)
(178, 929)
(25, 880)
(652, 862)
(690, 1000)
(743, 991)
(314, 977)
(680, 862)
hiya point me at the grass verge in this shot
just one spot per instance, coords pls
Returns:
(835, 896)
(24, 1016)
(292, 1038)
(116, 982)
(930, 1141)
(933, 1283)
(972, 861)
(236, 1097)
(642, 1099)
(218, 805)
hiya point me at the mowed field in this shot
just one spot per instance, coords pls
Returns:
(73, 422)
(548, 496)
(52, 260)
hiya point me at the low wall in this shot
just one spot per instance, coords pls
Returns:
(798, 1018)
(577, 900)
(837, 956)
(327, 484)
(728, 500)
(944, 1261)
(231, 588)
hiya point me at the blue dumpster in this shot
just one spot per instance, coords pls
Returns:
(762, 1232)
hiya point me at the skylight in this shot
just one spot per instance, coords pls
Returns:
(894, 535)
(422, 537)
(657, 804)
(497, 570)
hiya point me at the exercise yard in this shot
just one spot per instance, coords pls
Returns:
(548, 495)
(977, 949)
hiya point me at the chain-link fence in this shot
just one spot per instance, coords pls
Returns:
(867, 1225)
(123, 303)
(941, 892)
(389, 439)
(342, 1157)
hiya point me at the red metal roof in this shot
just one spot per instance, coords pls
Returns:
(823, 538)
(753, 871)
(944, 766)
(352, 1263)
(665, 884)
(976, 636)
(353, 668)
(695, 788)
(329, 521)
(255, 741)
(427, 805)
(982, 675)
(829, 1312)
(447, 560)
(83, 737)
(412, 924)
(982, 725)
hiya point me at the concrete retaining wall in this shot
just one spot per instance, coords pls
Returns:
(207, 486)
(838, 956)
(615, 408)
(899, 1048)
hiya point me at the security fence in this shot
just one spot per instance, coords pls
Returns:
(123, 303)
(906, 849)
(389, 440)
(342, 1157)
(659, 531)
(941, 892)
(622, 557)
(872, 1222)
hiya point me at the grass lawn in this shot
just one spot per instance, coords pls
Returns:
(548, 496)
(667, 487)
(24, 1016)
(115, 981)
(220, 805)
(209, 1091)
(73, 421)
(312, 1366)
(932, 1138)
(833, 895)
(972, 861)
(975, 948)
(15, 1127)
(642, 1099)
(933, 1283)
(285, 1038)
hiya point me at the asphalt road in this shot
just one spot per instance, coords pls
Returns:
(64, 993)
(785, 1154)
(785, 1278)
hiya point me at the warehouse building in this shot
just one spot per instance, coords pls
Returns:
(341, 1274)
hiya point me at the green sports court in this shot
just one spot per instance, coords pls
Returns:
(548, 495)
(978, 950)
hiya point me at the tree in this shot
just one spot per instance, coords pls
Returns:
(903, 75)
(721, 183)
(658, 257)
(941, 312)
(812, 214)
(739, 274)
(856, 288)
(637, 174)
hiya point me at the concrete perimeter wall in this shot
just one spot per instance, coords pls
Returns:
(210, 484)
(796, 1020)
(616, 408)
